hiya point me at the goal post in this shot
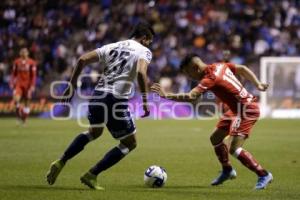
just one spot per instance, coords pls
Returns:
(282, 99)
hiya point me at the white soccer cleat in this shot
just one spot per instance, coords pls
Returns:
(224, 176)
(263, 181)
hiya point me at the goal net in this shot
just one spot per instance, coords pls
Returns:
(282, 100)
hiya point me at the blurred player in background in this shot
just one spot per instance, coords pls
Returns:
(123, 62)
(23, 83)
(237, 122)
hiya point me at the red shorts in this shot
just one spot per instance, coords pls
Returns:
(240, 124)
(23, 91)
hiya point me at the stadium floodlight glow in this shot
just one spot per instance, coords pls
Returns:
(283, 76)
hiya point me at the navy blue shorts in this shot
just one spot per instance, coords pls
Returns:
(105, 108)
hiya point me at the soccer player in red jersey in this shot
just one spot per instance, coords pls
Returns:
(237, 121)
(23, 83)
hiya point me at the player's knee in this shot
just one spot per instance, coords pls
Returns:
(95, 132)
(213, 140)
(232, 149)
(133, 145)
(126, 148)
(130, 142)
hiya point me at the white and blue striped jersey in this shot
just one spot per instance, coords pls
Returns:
(120, 66)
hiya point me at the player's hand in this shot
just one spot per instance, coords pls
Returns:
(262, 86)
(146, 111)
(68, 95)
(158, 89)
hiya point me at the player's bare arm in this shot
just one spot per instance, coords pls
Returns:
(191, 96)
(142, 67)
(249, 75)
(85, 59)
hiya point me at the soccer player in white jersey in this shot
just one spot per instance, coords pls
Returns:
(123, 62)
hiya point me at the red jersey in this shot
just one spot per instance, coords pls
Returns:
(24, 72)
(221, 80)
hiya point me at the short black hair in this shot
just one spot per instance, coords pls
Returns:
(186, 60)
(142, 29)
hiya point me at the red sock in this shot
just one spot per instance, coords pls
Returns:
(248, 160)
(221, 151)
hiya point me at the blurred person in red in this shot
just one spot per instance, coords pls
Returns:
(22, 83)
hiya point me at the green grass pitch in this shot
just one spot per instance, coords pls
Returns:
(182, 147)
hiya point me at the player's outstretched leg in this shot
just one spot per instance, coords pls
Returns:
(111, 158)
(74, 148)
(222, 152)
(264, 177)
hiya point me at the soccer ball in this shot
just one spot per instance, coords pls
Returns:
(155, 176)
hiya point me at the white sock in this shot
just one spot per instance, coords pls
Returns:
(237, 152)
(26, 110)
(90, 137)
(123, 149)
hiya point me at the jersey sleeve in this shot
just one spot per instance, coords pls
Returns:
(101, 52)
(205, 84)
(146, 55)
(232, 67)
